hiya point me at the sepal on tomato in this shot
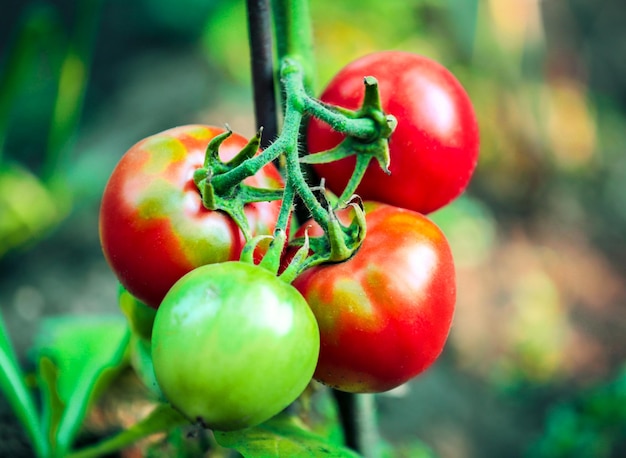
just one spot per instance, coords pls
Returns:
(375, 147)
(344, 241)
(247, 152)
(231, 200)
(271, 259)
(273, 254)
(297, 263)
(337, 245)
(212, 155)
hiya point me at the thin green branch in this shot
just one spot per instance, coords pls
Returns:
(341, 121)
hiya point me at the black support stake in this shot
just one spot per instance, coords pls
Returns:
(262, 63)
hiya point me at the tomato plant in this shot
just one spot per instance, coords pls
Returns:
(384, 314)
(153, 225)
(434, 148)
(233, 345)
(213, 328)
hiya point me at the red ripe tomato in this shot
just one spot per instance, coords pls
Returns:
(153, 226)
(385, 314)
(434, 148)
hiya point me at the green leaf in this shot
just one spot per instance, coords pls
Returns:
(162, 418)
(282, 436)
(78, 357)
(13, 386)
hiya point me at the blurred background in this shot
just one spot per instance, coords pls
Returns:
(535, 362)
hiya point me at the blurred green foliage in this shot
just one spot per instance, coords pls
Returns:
(592, 424)
(33, 202)
(27, 207)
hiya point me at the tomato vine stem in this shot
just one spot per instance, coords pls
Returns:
(286, 206)
(294, 37)
(343, 121)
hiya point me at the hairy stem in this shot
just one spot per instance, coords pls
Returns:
(319, 213)
(294, 37)
(363, 128)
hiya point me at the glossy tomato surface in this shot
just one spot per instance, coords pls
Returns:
(434, 149)
(233, 345)
(153, 226)
(385, 314)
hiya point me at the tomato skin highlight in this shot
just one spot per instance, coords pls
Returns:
(385, 314)
(233, 345)
(153, 226)
(434, 149)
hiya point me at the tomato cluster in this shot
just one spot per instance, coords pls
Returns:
(232, 343)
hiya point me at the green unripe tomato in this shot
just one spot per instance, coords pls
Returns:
(233, 345)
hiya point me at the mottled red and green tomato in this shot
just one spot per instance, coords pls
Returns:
(385, 314)
(153, 225)
(434, 149)
(233, 345)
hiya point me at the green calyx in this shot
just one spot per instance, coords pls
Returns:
(367, 140)
(230, 199)
(272, 257)
(345, 241)
(338, 244)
